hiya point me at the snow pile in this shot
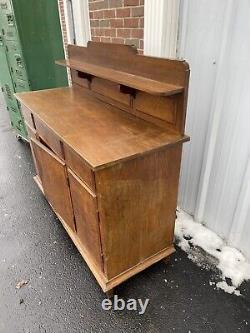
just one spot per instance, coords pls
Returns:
(207, 249)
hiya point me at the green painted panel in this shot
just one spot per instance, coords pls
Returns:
(5, 8)
(21, 85)
(30, 42)
(15, 60)
(17, 121)
(7, 87)
(9, 26)
(41, 40)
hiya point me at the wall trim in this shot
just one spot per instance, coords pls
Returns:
(78, 29)
(161, 21)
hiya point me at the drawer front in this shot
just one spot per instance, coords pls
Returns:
(49, 137)
(31, 131)
(32, 136)
(27, 115)
(79, 166)
(86, 217)
(109, 89)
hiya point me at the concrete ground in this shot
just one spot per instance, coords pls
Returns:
(62, 295)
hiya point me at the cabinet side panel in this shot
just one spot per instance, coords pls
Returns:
(137, 202)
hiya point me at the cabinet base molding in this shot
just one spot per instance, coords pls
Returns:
(105, 284)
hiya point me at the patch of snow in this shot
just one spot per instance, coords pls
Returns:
(228, 289)
(207, 249)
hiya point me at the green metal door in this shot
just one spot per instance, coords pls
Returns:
(41, 41)
(16, 61)
(7, 87)
(30, 42)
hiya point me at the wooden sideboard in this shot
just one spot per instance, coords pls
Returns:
(107, 152)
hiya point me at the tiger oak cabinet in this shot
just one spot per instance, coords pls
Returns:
(107, 152)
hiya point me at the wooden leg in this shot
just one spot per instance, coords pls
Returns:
(110, 293)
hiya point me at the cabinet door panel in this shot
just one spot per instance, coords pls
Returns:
(54, 180)
(86, 216)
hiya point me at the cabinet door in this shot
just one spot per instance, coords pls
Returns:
(54, 180)
(86, 216)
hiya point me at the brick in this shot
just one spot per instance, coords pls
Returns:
(106, 39)
(101, 32)
(116, 23)
(125, 33)
(137, 33)
(123, 12)
(118, 40)
(109, 13)
(106, 4)
(115, 3)
(110, 32)
(104, 23)
(94, 23)
(92, 32)
(142, 2)
(98, 14)
(141, 44)
(131, 22)
(141, 24)
(137, 11)
(96, 5)
(132, 2)
(91, 15)
(133, 42)
(95, 39)
(97, 32)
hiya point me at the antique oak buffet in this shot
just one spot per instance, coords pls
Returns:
(107, 152)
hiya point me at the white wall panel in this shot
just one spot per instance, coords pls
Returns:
(200, 41)
(77, 21)
(215, 174)
(215, 177)
(161, 27)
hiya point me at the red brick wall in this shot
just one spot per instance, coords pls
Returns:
(117, 21)
(63, 25)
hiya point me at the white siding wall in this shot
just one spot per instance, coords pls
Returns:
(215, 176)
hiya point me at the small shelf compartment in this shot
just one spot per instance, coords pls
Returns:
(137, 82)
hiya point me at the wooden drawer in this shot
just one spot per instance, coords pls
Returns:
(28, 117)
(79, 166)
(31, 131)
(49, 137)
(109, 89)
(86, 217)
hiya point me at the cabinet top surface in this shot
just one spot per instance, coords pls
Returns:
(102, 134)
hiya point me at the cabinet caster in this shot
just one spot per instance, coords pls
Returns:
(18, 137)
(110, 293)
